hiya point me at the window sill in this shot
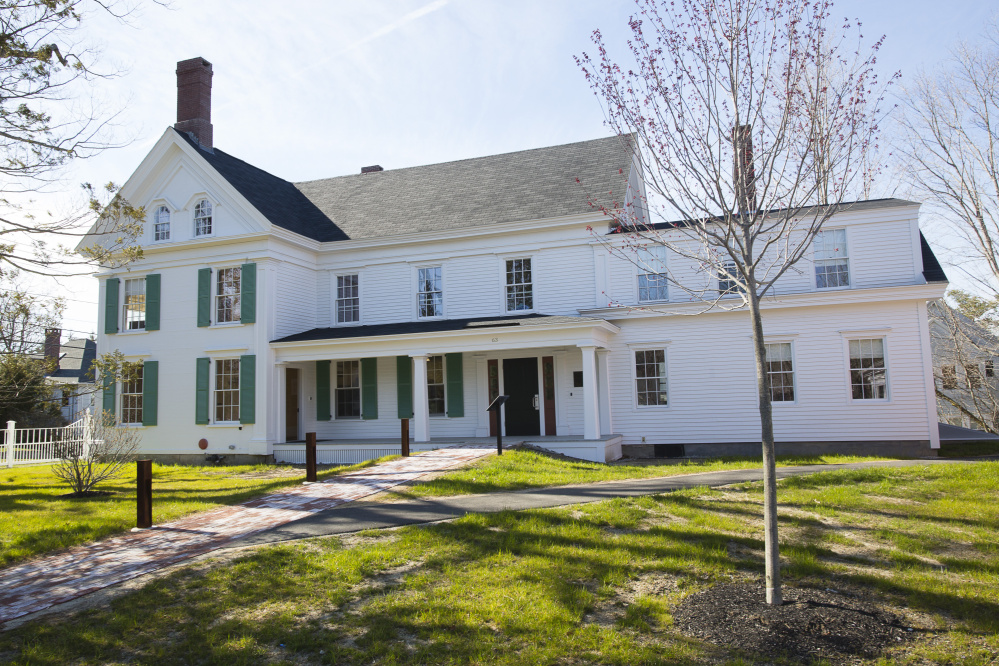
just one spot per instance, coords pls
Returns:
(870, 401)
(133, 331)
(817, 288)
(133, 426)
(652, 406)
(228, 324)
(227, 424)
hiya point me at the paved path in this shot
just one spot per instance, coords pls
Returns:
(47, 581)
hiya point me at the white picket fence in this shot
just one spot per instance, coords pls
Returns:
(30, 446)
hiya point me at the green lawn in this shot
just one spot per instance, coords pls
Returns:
(35, 519)
(521, 469)
(590, 584)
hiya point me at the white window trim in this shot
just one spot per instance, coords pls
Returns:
(533, 256)
(849, 264)
(640, 271)
(863, 335)
(333, 298)
(632, 348)
(211, 393)
(786, 339)
(416, 290)
(334, 415)
(214, 313)
(122, 329)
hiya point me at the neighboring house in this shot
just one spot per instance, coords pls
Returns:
(264, 309)
(72, 374)
(965, 354)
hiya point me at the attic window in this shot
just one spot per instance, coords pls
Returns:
(161, 224)
(203, 218)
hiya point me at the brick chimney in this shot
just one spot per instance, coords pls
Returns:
(53, 337)
(744, 170)
(374, 168)
(194, 99)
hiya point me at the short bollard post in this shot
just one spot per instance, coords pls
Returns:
(310, 456)
(144, 494)
(495, 406)
(405, 438)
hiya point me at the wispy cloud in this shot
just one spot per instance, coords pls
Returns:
(395, 25)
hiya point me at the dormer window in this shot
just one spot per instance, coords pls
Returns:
(203, 218)
(161, 224)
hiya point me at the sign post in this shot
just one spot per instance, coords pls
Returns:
(144, 494)
(495, 406)
(405, 438)
(310, 457)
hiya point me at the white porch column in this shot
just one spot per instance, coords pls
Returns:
(604, 392)
(421, 408)
(591, 408)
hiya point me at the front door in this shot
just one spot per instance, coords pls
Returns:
(291, 404)
(520, 382)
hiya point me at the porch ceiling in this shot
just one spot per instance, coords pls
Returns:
(445, 336)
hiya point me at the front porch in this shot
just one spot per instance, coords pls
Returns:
(350, 452)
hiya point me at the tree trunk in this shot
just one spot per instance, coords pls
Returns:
(772, 551)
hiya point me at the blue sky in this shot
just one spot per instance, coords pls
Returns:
(310, 89)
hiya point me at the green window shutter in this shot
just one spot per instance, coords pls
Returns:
(455, 385)
(109, 394)
(247, 389)
(201, 391)
(204, 297)
(153, 302)
(404, 385)
(369, 388)
(150, 391)
(323, 412)
(111, 306)
(248, 293)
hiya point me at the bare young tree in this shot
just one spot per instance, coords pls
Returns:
(951, 148)
(107, 449)
(752, 120)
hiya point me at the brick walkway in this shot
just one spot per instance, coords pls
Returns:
(54, 579)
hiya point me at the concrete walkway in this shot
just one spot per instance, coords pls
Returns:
(46, 581)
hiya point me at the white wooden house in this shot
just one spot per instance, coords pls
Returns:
(264, 309)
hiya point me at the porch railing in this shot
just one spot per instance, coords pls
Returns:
(29, 446)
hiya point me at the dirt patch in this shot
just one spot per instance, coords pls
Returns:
(811, 624)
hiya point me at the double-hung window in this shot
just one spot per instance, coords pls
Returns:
(727, 283)
(348, 390)
(203, 218)
(519, 285)
(780, 370)
(161, 224)
(435, 385)
(652, 275)
(868, 374)
(227, 295)
(348, 300)
(226, 390)
(131, 394)
(134, 305)
(650, 377)
(948, 377)
(832, 265)
(430, 292)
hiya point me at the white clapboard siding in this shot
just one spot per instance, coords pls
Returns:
(296, 299)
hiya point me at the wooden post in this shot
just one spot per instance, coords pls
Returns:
(499, 438)
(310, 457)
(144, 493)
(405, 438)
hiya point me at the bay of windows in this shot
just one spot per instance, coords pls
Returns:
(430, 294)
(348, 301)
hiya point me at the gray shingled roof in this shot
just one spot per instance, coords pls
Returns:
(525, 185)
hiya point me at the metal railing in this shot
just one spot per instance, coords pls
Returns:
(29, 446)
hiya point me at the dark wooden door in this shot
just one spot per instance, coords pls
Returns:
(291, 404)
(520, 382)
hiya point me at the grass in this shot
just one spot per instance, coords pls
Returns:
(35, 519)
(591, 584)
(522, 469)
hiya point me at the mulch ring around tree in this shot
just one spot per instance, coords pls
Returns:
(811, 623)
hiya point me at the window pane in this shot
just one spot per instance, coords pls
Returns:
(868, 377)
(227, 294)
(227, 390)
(203, 218)
(348, 389)
(727, 284)
(131, 394)
(650, 376)
(832, 268)
(134, 306)
(780, 370)
(435, 385)
(519, 288)
(429, 298)
(161, 224)
(348, 302)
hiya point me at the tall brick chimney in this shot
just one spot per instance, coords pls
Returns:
(53, 337)
(194, 99)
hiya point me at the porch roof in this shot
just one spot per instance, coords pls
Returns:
(445, 335)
